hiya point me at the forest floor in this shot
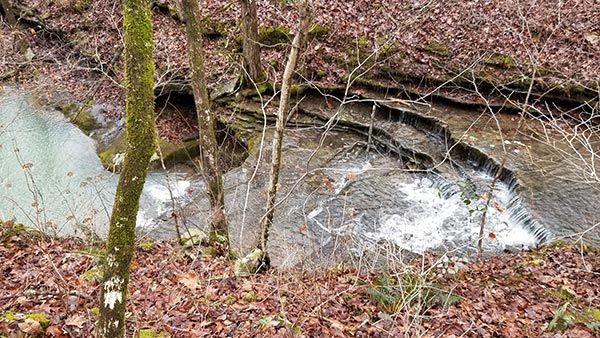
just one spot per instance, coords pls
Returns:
(50, 288)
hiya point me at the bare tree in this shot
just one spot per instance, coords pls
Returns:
(139, 124)
(209, 158)
(282, 115)
(251, 47)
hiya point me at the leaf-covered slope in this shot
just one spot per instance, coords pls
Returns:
(181, 293)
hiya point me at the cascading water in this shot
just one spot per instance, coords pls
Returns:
(52, 179)
(373, 201)
(438, 204)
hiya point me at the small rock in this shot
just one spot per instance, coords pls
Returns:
(29, 54)
(592, 38)
(249, 264)
(193, 237)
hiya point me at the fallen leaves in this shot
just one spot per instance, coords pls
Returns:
(77, 320)
(190, 280)
(31, 327)
(328, 183)
(516, 295)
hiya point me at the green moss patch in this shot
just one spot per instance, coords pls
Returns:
(147, 244)
(249, 264)
(273, 36)
(14, 232)
(568, 314)
(78, 115)
(82, 5)
(193, 237)
(38, 317)
(499, 61)
(252, 91)
(151, 333)
(317, 31)
(250, 296)
(93, 275)
(95, 311)
(212, 29)
(177, 153)
(112, 155)
(436, 47)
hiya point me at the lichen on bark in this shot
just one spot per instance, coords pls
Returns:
(139, 125)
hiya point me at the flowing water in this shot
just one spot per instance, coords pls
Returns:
(418, 211)
(52, 179)
(342, 193)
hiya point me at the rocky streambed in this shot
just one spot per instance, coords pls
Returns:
(370, 175)
(362, 176)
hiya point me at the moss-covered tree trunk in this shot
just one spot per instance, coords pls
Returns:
(209, 159)
(139, 124)
(282, 114)
(251, 47)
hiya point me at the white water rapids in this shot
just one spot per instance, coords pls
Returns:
(420, 212)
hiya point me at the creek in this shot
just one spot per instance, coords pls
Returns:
(356, 181)
(51, 177)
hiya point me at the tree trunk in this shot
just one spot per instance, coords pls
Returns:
(139, 124)
(282, 114)
(209, 159)
(8, 12)
(251, 47)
